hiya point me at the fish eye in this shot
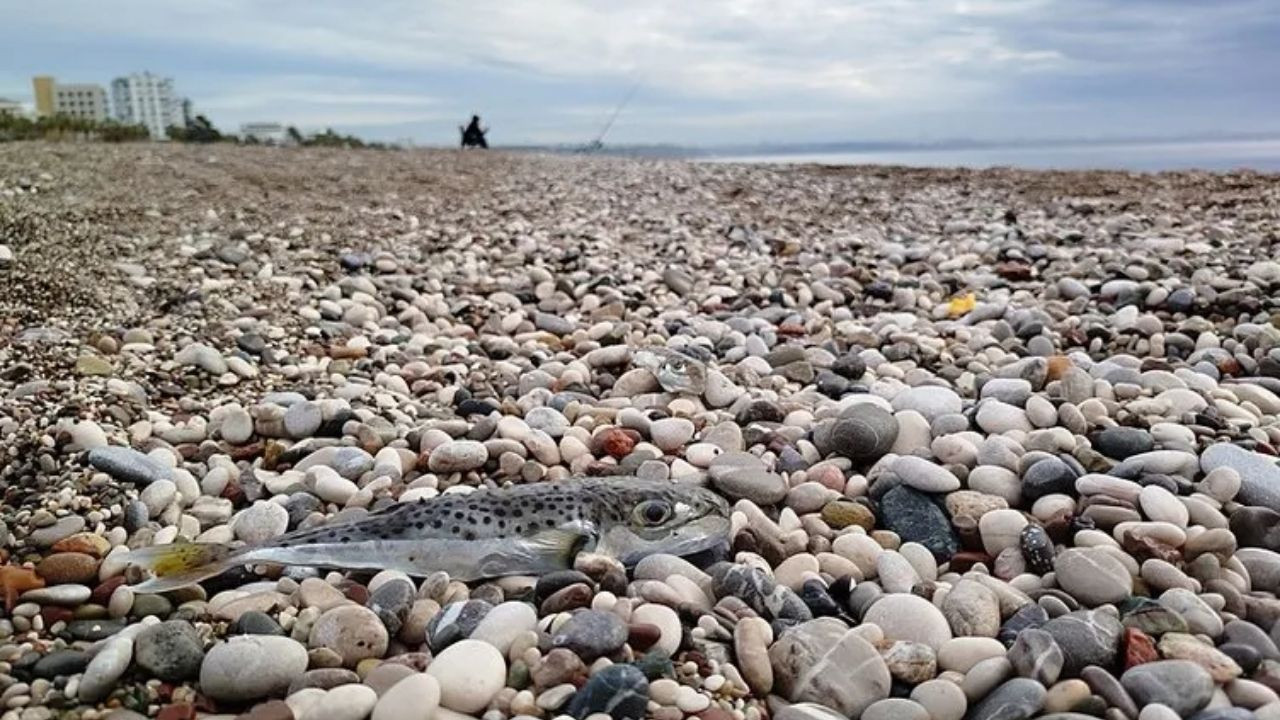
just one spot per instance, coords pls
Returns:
(652, 512)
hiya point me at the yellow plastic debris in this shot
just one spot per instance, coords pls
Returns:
(961, 305)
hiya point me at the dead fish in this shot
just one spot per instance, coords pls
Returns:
(676, 372)
(520, 530)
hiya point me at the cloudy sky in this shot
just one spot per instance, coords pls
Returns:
(705, 71)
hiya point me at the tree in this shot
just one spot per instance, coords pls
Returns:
(201, 130)
(295, 137)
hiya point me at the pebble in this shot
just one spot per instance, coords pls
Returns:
(171, 651)
(1092, 576)
(470, 673)
(1086, 637)
(416, 697)
(617, 691)
(909, 617)
(1179, 685)
(248, 667)
(105, 669)
(127, 465)
(353, 632)
(1005, 452)
(802, 657)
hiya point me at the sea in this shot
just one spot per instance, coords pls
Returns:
(1216, 155)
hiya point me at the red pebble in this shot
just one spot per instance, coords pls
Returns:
(53, 614)
(1139, 648)
(642, 636)
(616, 442)
(102, 593)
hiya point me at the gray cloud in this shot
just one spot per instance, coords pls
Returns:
(714, 70)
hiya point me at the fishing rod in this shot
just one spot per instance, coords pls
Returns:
(598, 143)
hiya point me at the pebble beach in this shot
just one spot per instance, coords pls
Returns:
(999, 444)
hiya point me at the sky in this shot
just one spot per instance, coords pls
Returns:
(703, 72)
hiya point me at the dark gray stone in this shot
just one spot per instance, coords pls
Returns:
(916, 518)
(1086, 637)
(171, 651)
(127, 464)
(454, 622)
(754, 587)
(1120, 443)
(864, 434)
(621, 691)
(60, 663)
(1016, 699)
(591, 634)
(254, 622)
(1048, 477)
(1182, 685)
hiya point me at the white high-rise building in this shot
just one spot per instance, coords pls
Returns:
(146, 99)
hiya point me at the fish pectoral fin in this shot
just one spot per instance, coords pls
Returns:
(559, 543)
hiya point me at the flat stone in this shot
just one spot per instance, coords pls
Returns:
(127, 464)
(1259, 474)
(1086, 637)
(591, 634)
(802, 659)
(909, 617)
(248, 667)
(1180, 685)
(915, 518)
(619, 691)
(972, 610)
(1016, 699)
(918, 473)
(1092, 576)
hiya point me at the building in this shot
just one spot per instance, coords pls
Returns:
(267, 133)
(10, 107)
(42, 87)
(146, 99)
(81, 100)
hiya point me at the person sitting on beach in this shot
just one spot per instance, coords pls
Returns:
(473, 134)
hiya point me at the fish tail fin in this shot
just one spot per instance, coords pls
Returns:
(161, 568)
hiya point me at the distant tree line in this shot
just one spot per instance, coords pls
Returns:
(198, 129)
(67, 127)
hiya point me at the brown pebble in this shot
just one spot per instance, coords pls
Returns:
(324, 678)
(574, 596)
(84, 542)
(177, 711)
(53, 614)
(68, 567)
(558, 667)
(270, 710)
(642, 636)
(102, 592)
